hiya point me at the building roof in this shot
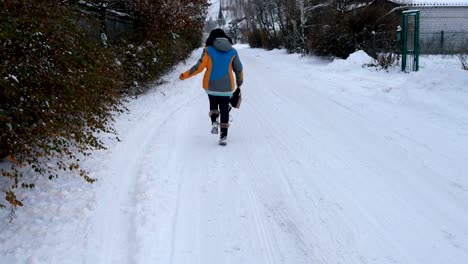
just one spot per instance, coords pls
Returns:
(439, 3)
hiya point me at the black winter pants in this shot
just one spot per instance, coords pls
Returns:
(219, 105)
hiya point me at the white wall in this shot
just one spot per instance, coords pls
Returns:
(453, 21)
(450, 19)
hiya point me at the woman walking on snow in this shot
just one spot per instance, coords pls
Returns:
(220, 60)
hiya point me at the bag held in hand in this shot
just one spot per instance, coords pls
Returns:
(236, 98)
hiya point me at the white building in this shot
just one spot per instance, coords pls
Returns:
(443, 25)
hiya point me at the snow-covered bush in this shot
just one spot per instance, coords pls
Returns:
(58, 89)
(167, 31)
(464, 60)
(143, 61)
(385, 61)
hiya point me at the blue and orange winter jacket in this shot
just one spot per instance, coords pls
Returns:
(220, 61)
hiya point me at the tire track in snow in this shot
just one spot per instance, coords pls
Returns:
(297, 118)
(148, 229)
(280, 187)
(115, 224)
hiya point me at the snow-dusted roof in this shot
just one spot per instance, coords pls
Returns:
(439, 3)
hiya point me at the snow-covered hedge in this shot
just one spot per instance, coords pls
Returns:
(144, 60)
(60, 87)
(166, 32)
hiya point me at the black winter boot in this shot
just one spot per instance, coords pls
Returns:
(223, 136)
(224, 132)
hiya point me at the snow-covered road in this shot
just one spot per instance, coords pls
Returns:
(326, 163)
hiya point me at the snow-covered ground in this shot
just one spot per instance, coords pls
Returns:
(326, 163)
